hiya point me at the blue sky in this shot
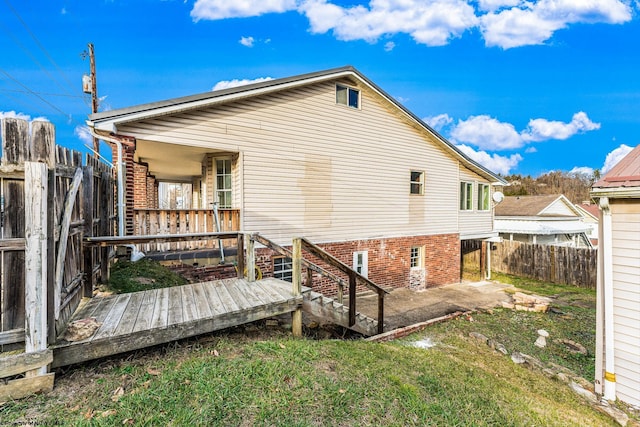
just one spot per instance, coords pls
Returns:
(521, 86)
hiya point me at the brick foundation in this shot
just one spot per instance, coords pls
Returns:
(388, 263)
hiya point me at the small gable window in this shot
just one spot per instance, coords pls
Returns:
(483, 197)
(347, 96)
(466, 196)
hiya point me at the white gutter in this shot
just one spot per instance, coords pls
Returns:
(607, 287)
(120, 179)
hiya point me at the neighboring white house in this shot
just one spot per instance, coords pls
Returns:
(618, 301)
(589, 212)
(327, 155)
(545, 220)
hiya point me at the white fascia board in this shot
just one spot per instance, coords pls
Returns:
(617, 193)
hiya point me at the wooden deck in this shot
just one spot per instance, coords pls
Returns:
(143, 319)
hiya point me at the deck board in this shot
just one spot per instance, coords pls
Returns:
(142, 319)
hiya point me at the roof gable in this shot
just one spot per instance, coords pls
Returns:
(108, 122)
(553, 205)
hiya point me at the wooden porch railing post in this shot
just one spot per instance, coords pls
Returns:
(240, 256)
(296, 260)
(380, 311)
(352, 298)
(35, 194)
(251, 259)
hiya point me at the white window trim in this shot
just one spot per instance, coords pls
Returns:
(349, 88)
(420, 257)
(421, 182)
(466, 192)
(365, 262)
(479, 201)
(215, 182)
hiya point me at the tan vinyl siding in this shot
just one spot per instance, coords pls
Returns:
(626, 288)
(473, 222)
(331, 173)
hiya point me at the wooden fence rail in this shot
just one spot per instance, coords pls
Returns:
(555, 264)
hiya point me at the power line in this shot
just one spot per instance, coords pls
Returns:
(36, 94)
(33, 36)
(43, 93)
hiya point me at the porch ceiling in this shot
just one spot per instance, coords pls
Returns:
(171, 162)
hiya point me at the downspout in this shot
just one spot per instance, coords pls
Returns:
(607, 287)
(120, 178)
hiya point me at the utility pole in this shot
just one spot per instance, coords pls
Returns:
(93, 90)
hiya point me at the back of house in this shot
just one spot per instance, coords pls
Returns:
(329, 156)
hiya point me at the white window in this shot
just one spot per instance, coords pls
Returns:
(417, 256)
(347, 96)
(483, 197)
(223, 183)
(417, 182)
(466, 196)
(360, 262)
(282, 268)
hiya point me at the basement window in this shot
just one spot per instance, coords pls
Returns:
(417, 257)
(283, 268)
(347, 96)
(360, 262)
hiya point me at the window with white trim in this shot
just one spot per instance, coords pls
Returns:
(348, 96)
(484, 202)
(466, 196)
(417, 182)
(360, 262)
(224, 186)
(417, 256)
(283, 268)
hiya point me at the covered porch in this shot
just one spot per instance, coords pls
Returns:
(177, 189)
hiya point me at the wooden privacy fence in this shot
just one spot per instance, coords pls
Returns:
(555, 264)
(49, 201)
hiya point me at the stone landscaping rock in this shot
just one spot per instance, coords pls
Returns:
(479, 337)
(536, 303)
(572, 346)
(542, 338)
(517, 358)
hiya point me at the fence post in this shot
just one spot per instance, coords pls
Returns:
(87, 211)
(35, 193)
(296, 261)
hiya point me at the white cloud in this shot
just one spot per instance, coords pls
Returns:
(614, 157)
(582, 170)
(530, 150)
(439, 122)
(226, 84)
(389, 46)
(531, 23)
(492, 5)
(431, 22)
(14, 115)
(543, 129)
(503, 23)
(83, 134)
(247, 41)
(493, 162)
(221, 9)
(487, 133)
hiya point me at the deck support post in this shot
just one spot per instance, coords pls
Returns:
(296, 260)
(241, 257)
(251, 259)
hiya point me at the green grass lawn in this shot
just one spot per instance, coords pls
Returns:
(267, 378)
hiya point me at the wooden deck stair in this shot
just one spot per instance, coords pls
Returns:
(331, 310)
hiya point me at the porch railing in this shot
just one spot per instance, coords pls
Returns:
(149, 222)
